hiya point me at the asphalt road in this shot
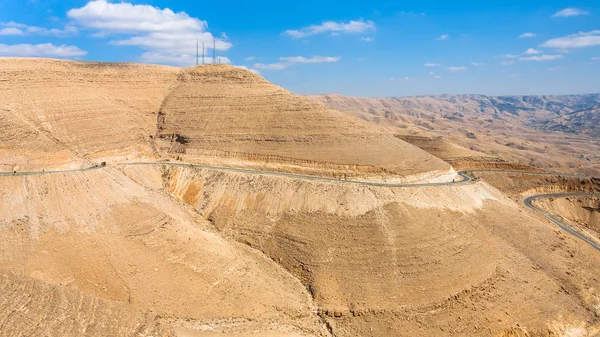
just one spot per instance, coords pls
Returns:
(464, 174)
(565, 227)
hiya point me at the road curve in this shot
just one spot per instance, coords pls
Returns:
(463, 174)
(529, 203)
(465, 179)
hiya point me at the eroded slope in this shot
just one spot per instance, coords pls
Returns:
(93, 109)
(102, 234)
(409, 261)
(224, 111)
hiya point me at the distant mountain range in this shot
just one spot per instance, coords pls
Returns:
(565, 113)
(544, 131)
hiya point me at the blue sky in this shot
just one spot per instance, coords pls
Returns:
(376, 48)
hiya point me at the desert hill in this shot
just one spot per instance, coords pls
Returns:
(94, 110)
(111, 111)
(584, 122)
(224, 111)
(550, 132)
(152, 248)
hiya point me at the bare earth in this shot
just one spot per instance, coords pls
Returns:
(162, 250)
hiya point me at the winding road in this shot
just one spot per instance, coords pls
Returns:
(464, 174)
(569, 229)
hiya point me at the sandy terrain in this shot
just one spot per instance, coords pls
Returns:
(163, 250)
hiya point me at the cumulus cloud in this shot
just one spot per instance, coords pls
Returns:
(250, 58)
(41, 50)
(368, 39)
(507, 63)
(540, 58)
(527, 35)
(164, 34)
(285, 62)
(11, 31)
(456, 68)
(431, 65)
(444, 37)
(596, 58)
(478, 64)
(332, 27)
(14, 28)
(532, 51)
(579, 40)
(569, 12)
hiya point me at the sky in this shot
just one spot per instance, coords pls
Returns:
(375, 48)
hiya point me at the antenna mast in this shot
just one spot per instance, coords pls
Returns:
(202, 53)
(196, 51)
(214, 48)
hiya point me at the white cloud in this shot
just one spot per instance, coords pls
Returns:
(368, 39)
(478, 64)
(164, 34)
(579, 40)
(542, 58)
(444, 37)
(596, 58)
(431, 65)
(13, 24)
(250, 58)
(41, 50)
(570, 12)
(285, 62)
(555, 68)
(332, 27)
(129, 18)
(456, 68)
(532, 51)
(14, 28)
(527, 35)
(11, 31)
(507, 63)
(507, 56)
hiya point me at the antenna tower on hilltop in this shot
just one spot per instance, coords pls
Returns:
(214, 49)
